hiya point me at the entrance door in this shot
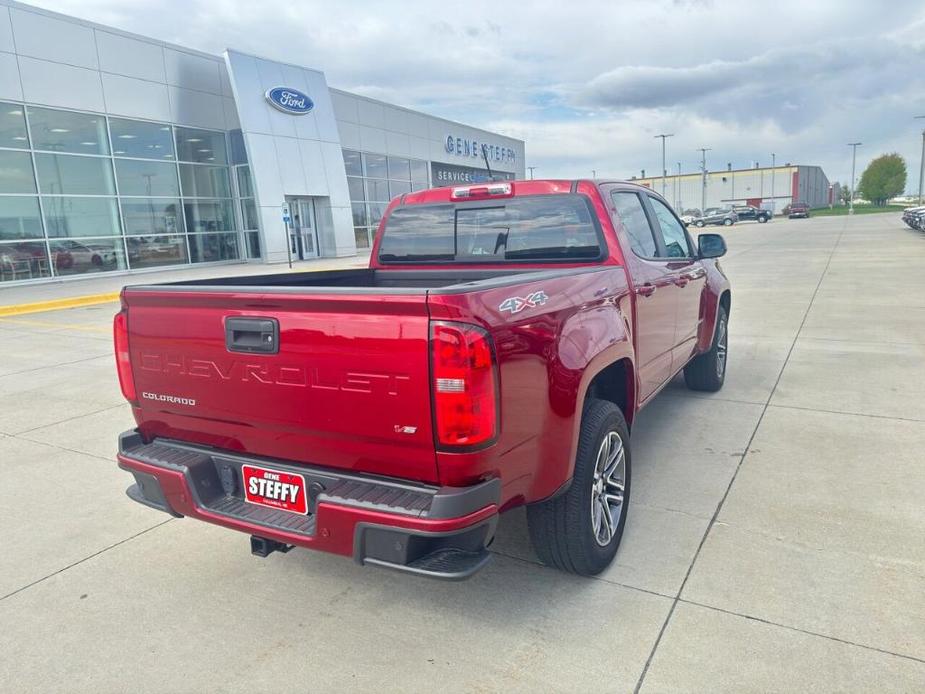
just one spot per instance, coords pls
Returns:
(302, 239)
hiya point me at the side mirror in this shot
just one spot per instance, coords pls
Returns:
(711, 246)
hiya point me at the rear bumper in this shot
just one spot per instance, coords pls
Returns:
(442, 532)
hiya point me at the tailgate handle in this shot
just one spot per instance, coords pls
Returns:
(252, 335)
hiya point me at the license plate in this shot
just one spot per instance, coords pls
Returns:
(281, 490)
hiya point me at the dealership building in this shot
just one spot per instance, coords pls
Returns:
(122, 153)
(770, 188)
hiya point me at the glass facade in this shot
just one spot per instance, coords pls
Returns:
(83, 192)
(373, 180)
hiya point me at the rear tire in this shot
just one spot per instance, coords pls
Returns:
(762, 219)
(707, 372)
(571, 531)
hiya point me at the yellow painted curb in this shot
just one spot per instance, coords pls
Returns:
(57, 304)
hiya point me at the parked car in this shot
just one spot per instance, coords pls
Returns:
(717, 215)
(690, 216)
(494, 354)
(798, 209)
(914, 217)
(750, 212)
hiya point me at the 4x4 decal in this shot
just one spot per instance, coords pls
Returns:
(516, 304)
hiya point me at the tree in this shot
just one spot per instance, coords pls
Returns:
(884, 178)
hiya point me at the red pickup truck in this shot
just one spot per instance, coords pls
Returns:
(493, 355)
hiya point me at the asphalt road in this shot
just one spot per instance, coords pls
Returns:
(774, 543)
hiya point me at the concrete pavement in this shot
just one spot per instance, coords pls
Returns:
(774, 541)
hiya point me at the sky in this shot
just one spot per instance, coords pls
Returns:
(588, 85)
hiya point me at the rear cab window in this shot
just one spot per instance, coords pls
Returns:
(545, 228)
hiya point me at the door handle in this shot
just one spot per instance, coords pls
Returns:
(252, 335)
(682, 280)
(646, 289)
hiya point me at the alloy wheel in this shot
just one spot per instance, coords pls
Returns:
(607, 488)
(722, 340)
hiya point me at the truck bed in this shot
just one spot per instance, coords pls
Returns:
(366, 281)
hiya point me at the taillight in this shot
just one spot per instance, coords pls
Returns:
(123, 363)
(464, 384)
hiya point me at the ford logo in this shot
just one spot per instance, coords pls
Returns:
(289, 100)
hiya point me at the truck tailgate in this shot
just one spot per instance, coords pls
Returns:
(348, 388)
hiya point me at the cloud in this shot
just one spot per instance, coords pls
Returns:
(587, 84)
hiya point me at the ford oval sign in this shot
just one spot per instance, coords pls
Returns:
(289, 100)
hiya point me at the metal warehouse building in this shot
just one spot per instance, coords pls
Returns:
(121, 153)
(771, 188)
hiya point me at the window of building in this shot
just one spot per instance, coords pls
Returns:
(377, 189)
(355, 186)
(353, 163)
(210, 248)
(208, 215)
(76, 257)
(16, 174)
(399, 169)
(126, 203)
(153, 251)
(20, 218)
(152, 216)
(204, 181)
(67, 131)
(70, 217)
(134, 138)
(420, 179)
(148, 178)
(66, 174)
(375, 166)
(250, 217)
(27, 260)
(397, 188)
(13, 126)
(373, 180)
(245, 182)
(204, 146)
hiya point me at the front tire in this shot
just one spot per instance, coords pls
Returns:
(762, 219)
(580, 530)
(727, 222)
(707, 372)
(699, 223)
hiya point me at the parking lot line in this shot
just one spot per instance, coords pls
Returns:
(57, 304)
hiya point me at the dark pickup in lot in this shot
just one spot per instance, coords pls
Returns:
(750, 212)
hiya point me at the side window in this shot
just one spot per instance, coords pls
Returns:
(633, 217)
(676, 244)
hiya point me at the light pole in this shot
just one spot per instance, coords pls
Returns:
(773, 199)
(678, 196)
(593, 173)
(921, 163)
(703, 173)
(664, 170)
(854, 154)
(531, 171)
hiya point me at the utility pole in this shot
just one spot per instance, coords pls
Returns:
(854, 154)
(664, 169)
(531, 171)
(703, 173)
(678, 196)
(921, 163)
(593, 173)
(773, 199)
